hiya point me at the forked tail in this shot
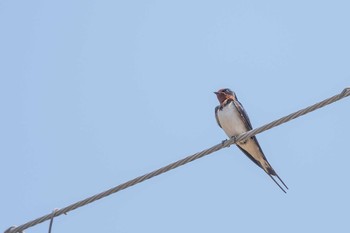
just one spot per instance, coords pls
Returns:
(271, 172)
(278, 183)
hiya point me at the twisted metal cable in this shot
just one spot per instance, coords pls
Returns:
(227, 143)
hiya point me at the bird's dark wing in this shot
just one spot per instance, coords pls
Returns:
(270, 171)
(249, 156)
(216, 115)
(243, 114)
(248, 125)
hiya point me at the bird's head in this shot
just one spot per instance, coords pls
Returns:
(224, 94)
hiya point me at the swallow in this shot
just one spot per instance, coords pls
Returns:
(233, 119)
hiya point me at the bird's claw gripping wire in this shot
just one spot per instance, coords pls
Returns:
(223, 142)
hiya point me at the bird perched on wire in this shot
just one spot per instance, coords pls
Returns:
(233, 119)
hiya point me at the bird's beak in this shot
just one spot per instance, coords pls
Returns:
(215, 92)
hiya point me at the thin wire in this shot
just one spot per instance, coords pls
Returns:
(11, 229)
(227, 143)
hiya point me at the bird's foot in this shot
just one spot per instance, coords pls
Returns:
(224, 141)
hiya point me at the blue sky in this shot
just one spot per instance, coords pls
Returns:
(94, 93)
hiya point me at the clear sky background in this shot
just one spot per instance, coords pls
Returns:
(94, 93)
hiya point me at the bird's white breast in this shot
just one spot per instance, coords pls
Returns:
(230, 120)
